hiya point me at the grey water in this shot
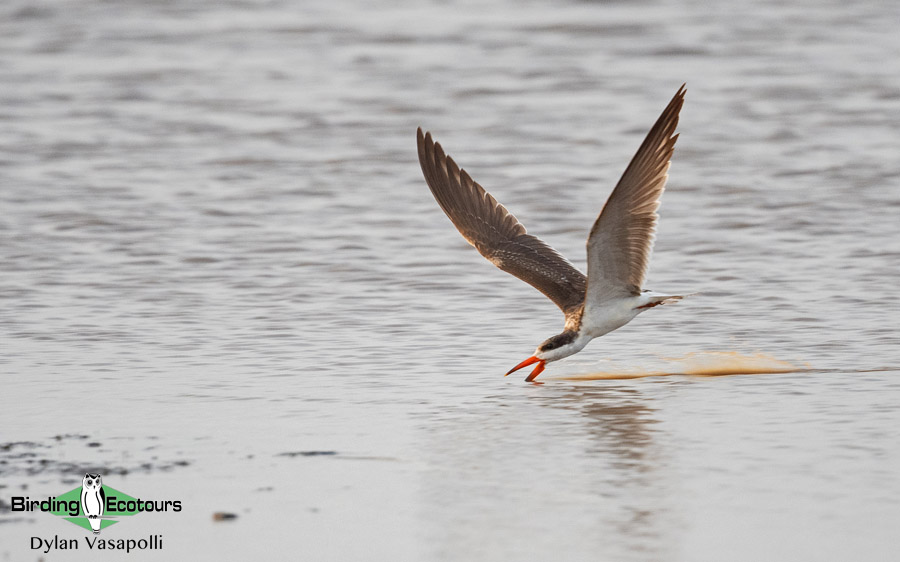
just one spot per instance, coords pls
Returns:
(223, 279)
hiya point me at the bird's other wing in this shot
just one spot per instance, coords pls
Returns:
(495, 232)
(621, 240)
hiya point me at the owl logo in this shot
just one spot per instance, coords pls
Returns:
(93, 498)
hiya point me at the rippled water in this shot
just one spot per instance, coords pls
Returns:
(220, 259)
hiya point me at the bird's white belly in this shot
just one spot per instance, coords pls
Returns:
(601, 320)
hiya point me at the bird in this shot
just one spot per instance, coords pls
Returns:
(618, 247)
(93, 498)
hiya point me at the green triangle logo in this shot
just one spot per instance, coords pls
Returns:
(73, 498)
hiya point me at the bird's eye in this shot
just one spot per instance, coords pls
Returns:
(88, 482)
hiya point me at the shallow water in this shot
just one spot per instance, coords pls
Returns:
(224, 279)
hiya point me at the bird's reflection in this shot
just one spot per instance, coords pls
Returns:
(583, 459)
(619, 421)
(621, 429)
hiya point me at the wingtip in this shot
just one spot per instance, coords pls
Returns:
(678, 98)
(424, 140)
(681, 93)
(677, 101)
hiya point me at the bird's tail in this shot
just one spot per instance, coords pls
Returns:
(654, 299)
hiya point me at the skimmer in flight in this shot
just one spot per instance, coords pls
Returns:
(618, 248)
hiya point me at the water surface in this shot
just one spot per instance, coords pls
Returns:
(220, 257)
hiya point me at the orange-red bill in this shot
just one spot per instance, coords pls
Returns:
(531, 360)
(537, 371)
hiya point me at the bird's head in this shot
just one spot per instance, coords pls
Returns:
(559, 346)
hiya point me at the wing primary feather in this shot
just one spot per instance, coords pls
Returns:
(495, 232)
(622, 237)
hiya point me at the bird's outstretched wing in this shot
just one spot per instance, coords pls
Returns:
(620, 243)
(495, 232)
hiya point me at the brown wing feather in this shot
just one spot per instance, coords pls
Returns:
(495, 232)
(621, 240)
